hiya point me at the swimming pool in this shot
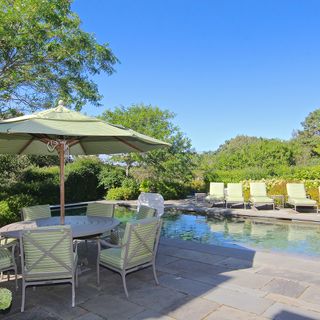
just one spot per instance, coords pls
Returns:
(270, 235)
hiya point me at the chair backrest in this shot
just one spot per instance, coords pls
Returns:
(258, 189)
(144, 212)
(47, 252)
(235, 189)
(153, 200)
(216, 189)
(141, 238)
(296, 190)
(36, 212)
(99, 209)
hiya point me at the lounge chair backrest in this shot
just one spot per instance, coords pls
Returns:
(296, 190)
(234, 189)
(258, 189)
(140, 241)
(144, 212)
(47, 252)
(98, 209)
(36, 212)
(216, 189)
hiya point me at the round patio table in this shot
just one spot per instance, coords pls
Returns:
(81, 226)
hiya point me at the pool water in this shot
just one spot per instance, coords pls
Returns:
(246, 233)
(271, 235)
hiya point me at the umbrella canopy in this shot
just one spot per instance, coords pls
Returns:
(62, 131)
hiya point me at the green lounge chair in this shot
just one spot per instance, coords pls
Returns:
(216, 193)
(258, 194)
(137, 251)
(7, 259)
(234, 194)
(297, 196)
(47, 257)
(36, 212)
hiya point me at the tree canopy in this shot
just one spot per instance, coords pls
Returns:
(45, 56)
(163, 168)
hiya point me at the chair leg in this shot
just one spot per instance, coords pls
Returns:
(15, 276)
(73, 292)
(98, 273)
(123, 276)
(23, 295)
(77, 277)
(154, 273)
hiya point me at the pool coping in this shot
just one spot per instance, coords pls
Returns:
(192, 206)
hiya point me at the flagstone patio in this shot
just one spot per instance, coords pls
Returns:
(196, 282)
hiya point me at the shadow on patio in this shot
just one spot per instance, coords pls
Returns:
(197, 281)
(187, 271)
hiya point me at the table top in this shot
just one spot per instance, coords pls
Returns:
(81, 226)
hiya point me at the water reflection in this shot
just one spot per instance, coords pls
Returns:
(264, 234)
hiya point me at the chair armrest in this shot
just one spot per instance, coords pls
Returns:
(108, 244)
(75, 246)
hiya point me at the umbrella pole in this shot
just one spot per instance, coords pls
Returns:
(61, 155)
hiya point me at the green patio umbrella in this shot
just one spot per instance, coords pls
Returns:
(65, 132)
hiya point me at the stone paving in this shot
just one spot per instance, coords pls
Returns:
(197, 281)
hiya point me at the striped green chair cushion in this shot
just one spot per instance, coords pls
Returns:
(145, 212)
(36, 212)
(100, 209)
(56, 240)
(5, 258)
(134, 252)
(112, 257)
(135, 231)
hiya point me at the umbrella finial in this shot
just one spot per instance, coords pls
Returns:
(60, 103)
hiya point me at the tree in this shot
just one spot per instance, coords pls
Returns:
(45, 56)
(309, 137)
(166, 170)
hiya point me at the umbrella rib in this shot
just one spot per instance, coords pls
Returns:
(129, 144)
(26, 146)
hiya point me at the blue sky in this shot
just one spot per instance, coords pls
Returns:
(224, 67)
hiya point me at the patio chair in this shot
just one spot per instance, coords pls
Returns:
(235, 195)
(216, 193)
(7, 259)
(143, 212)
(47, 257)
(297, 196)
(138, 250)
(36, 212)
(99, 209)
(258, 194)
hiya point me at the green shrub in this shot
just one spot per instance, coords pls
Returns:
(111, 177)
(82, 182)
(121, 193)
(6, 216)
